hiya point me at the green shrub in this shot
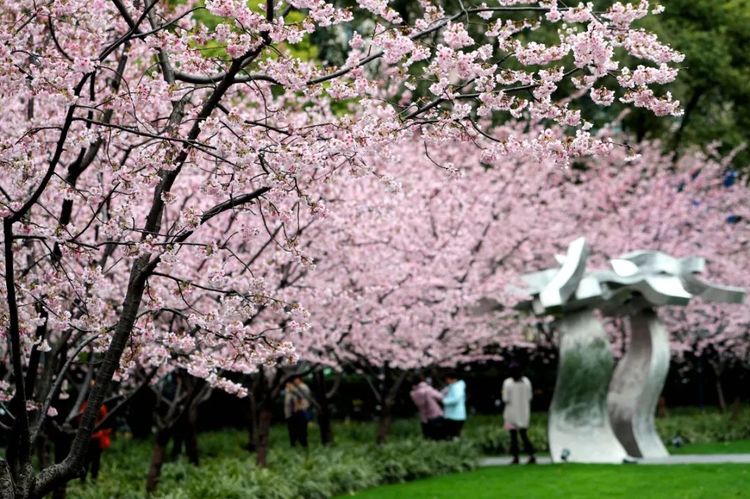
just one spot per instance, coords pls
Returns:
(228, 472)
(414, 458)
(695, 426)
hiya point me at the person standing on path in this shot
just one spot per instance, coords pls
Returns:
(427, 400)
(297, 399)
(517, 395)
(454, 406)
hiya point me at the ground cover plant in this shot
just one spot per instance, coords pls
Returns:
(228, 471)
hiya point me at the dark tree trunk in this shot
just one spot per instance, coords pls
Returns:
(736, 409)
(252, 428)
(191, 438)
(720, 395)
(180, 435)
(62, 447)
(661, 407)
(324, 409)
(265, 389)
(324, 422)
(185, 433)
(384, 423)
(42, 452)
(388, 400)
(718, 369)
(264, 432)
(178, 425)
(691, 105)
(157, 460)
(6, 482)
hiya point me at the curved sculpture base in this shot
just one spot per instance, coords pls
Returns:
(579, 428)
(637, 384)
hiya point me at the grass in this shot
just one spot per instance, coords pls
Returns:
(579, 481)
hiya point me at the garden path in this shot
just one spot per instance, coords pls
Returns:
(676, 459)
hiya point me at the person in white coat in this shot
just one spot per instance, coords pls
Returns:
(517, 395)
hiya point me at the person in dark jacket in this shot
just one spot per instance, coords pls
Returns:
(297, 398)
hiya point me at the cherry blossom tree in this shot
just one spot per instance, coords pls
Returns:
(405, 280)
(145, 155)
(401, 278)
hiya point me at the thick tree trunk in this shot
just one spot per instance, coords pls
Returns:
(718, 369)
(384, 422)
(720, 394)
(388, 400)
(185, 434)
(42, 453)
(324, 409)
(736, 409)
(264, 433)
(6, 481)
(324, 422)
(252, 427)
(180, 433)
(18, 451)
(191, 438)
(62, 447)
(157, 460)
(700, 382)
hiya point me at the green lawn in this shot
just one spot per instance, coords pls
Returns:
(580, 482)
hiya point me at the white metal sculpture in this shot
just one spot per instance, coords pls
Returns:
(597, 414)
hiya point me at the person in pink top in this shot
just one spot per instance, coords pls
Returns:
(427, 399)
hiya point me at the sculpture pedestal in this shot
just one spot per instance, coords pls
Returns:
(579, 427)
(637, 384)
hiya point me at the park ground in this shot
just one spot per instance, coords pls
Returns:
(407, 467)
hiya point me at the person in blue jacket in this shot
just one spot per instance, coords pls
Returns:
(454, 406)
